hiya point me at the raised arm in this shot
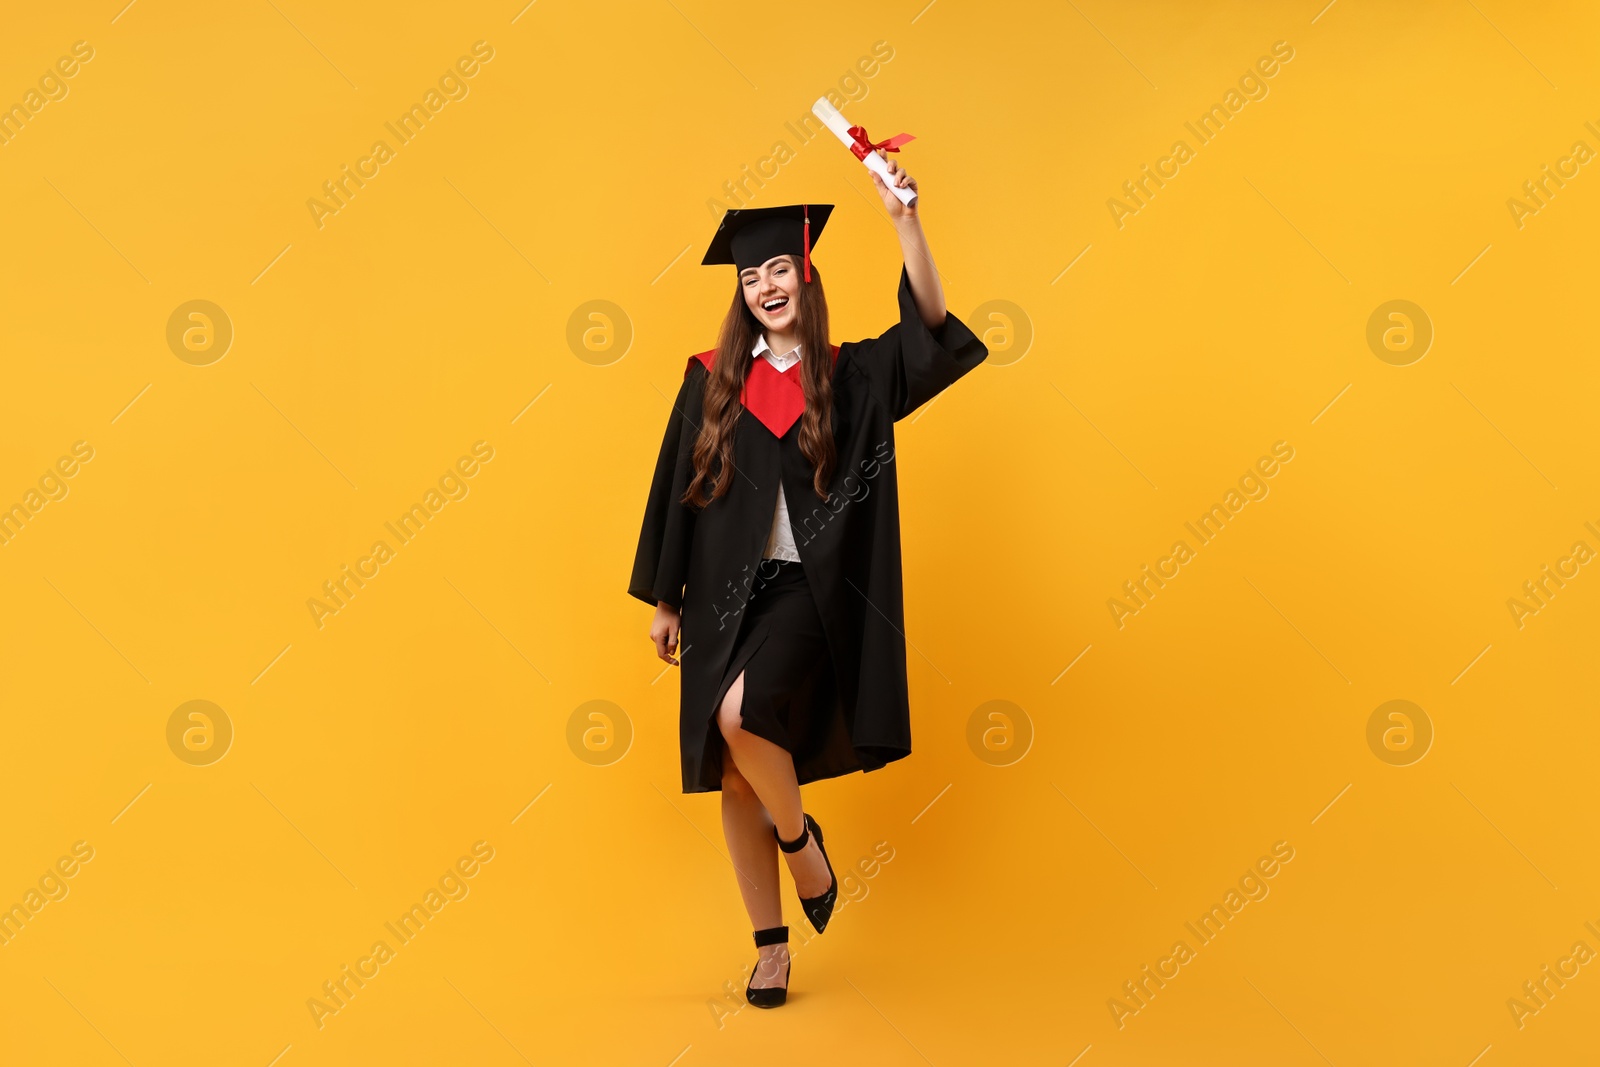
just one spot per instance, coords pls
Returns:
(924, 276)
(929, 348)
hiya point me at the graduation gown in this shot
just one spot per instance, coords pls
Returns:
(704, 561)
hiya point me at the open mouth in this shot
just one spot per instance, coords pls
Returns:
(772, 307)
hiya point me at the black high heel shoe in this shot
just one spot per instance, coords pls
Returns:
(769, 996)
(818, 909)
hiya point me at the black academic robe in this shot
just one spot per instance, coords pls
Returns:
(704, 561)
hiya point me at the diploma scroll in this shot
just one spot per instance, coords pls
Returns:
(860, 146)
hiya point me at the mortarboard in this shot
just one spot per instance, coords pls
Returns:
(748, 237)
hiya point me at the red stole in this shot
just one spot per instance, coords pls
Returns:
(775, 397)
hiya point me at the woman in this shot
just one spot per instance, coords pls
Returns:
(771, 548)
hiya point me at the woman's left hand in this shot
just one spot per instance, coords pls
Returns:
(891, 203)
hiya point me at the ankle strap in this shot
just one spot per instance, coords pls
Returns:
(798, 843)
(772, 935)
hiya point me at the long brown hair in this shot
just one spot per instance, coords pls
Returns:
(721, 406)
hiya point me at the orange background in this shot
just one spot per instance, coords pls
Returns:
(1015, 871)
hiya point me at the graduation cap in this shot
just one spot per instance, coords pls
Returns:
(748, 237)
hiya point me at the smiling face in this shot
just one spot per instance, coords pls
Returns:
(770, 293)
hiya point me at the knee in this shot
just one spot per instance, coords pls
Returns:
(729, 722)
(730, 718)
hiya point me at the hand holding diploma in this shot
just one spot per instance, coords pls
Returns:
(902, 188)
(899, 192)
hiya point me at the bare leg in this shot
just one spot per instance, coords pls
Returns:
(769, 770)
(748, 828)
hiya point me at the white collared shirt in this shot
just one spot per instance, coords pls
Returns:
(783, 363)
(780, 541)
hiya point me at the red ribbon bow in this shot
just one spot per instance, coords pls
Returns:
(863, 142)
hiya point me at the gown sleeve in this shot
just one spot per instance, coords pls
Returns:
(910, 364)
(661, 563)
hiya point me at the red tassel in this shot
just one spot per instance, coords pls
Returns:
(807, 236)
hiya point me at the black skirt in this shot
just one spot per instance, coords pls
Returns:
(782, 649)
